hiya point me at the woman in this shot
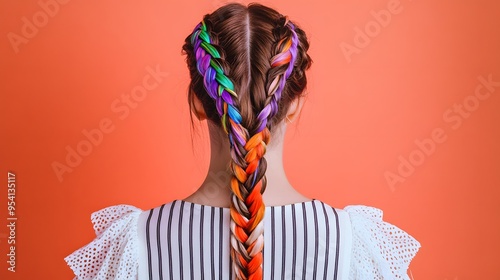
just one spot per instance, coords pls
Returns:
(247, 67)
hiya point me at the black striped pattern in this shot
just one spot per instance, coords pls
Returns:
(184, 240)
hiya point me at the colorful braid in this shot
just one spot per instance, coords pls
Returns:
(247, 206)
(217, 84)
(285, 52)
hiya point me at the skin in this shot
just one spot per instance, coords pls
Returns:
(279, 191)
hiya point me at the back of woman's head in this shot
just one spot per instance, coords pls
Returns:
(247, 64)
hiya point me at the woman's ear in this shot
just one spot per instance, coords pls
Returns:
(197, 108)
(295, 108)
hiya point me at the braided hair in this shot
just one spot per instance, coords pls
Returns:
(247, 64)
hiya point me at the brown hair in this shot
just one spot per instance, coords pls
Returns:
(247, 39)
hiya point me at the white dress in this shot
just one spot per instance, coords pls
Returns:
(184, 240)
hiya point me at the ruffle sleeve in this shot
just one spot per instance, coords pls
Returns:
(380, 250)
(113, 253)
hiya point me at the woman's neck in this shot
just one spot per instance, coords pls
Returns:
(215, 190)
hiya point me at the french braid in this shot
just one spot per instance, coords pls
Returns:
(247, 149)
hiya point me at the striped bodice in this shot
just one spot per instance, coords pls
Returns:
(184, 240)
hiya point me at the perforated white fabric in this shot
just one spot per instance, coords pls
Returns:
(380, 250)
(113, 253)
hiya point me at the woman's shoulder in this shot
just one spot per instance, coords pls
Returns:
(327, 210)
(380, 249)
(113, 251)
(377, 249)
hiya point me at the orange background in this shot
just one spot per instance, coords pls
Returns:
(366, 111)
